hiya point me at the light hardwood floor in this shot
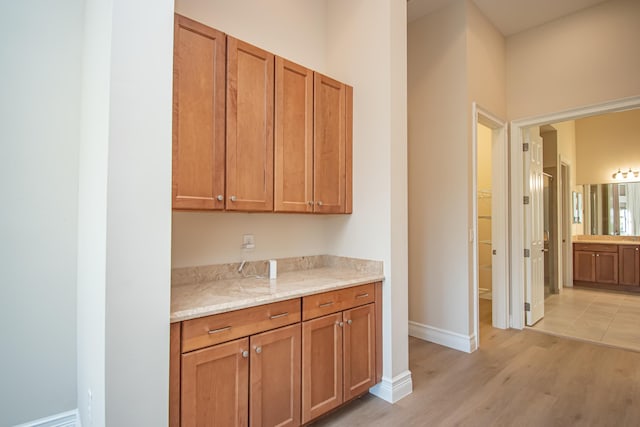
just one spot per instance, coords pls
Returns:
(610, 318)
(516, 378)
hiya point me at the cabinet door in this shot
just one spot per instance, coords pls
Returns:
(215, 389)
(250, 100)
(607, 267)
(293, 172)
(321, 365)
(584, 266)
(275, 378)
(628, 265)
(329, 174)
(359, 350)
(198, 116)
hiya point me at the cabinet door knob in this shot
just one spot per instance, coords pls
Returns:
(636, 249)
(349, 322)
(245, 354)
(233, 198)
(598, 255)
(220, 197)
(258, 350)
(319, 202)
(310, 202)
(341, 324)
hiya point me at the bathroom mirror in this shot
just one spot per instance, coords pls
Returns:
(612, 209)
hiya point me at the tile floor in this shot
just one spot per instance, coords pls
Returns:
(598, 316)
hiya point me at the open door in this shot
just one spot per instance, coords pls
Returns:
(533, 226)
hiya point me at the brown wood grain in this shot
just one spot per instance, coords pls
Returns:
(241, 323)
(607, 267)
(378, 290)
(321, 366)
(275, 377)
(584, 266)
(629, 265)
(359, 350)
(250, 105)
(293, 164)
(342, 299)
(215, 386)
(329, 139)
(198, 172)
(174, 374)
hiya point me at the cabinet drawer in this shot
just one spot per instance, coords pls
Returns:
(206, 331)
(595, 247)
(331, 302)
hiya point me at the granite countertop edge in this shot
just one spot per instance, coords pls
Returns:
(608, 242)
(255, 291)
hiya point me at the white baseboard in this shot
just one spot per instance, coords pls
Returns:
(454, 340)
(64, 419)
(395, 388)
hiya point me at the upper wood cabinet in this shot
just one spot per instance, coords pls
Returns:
(250, 99)
(252, 132)
(198, 116)
(331, 135)
(294, 138)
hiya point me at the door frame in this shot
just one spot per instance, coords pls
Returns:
(517, 189)
(565, 274)
(500, 186)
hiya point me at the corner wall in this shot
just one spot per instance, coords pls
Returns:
(40, 106)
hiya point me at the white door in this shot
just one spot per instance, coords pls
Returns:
(534, 227)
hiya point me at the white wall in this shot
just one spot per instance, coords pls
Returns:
(455, 57)
(367, 47)
(438, 177)
(40, 107)
(125, 214)
(585, 58)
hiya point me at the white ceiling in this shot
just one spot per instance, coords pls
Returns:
(509, 16)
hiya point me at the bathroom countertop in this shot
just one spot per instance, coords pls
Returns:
(189, 301)
(608, 242)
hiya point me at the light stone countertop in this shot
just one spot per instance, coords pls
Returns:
(189, 301)
(607, 242)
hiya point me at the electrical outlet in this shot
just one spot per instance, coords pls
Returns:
(248, 242)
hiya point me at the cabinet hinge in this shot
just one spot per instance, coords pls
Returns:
(525, 146)
(525, 200)
(527, 306)
(527, 253)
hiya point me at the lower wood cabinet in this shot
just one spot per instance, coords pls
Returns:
(283, 371)
(614, 266)
(629, 265)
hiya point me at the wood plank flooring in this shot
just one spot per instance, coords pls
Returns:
(516, 378)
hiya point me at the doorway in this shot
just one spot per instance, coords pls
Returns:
(490, 224)
(519, 275)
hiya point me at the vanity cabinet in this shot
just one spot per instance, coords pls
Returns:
(199, 61)
(256, 133)
(629, 265)
(339, 349)
(279, 364)
(597, 263)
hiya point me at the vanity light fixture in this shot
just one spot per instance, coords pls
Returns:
(624, 175)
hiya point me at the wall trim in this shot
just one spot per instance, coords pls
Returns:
(454, 340)
(394, 389)
(63, 419)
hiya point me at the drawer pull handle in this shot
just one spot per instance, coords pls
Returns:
(215, 331)
(326, 304)
(277, 316)
(362, 295)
